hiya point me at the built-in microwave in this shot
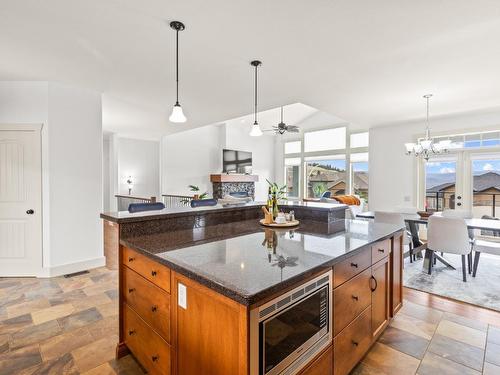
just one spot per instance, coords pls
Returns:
(287, 332)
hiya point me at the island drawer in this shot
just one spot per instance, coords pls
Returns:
(351, 266)
(151, 270)
(149, 348)
(352, 343)
(150, 302)
(350, 299)
(380, 250)
(322, 365)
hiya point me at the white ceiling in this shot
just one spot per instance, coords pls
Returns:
(367, 62)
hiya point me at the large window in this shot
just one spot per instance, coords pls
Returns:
(325, 140)
(293, 147)
(328, 160)
(359, 174)
(325, 173)
(292, 177)
(440, 184)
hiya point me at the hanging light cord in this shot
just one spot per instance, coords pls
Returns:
(177, 66)
(255, 112)
(282, 114)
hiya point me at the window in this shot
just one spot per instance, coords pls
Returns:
(359, 175)
(293, 147)
(359, 140)
(440, 182)
(325, 173)
(292, 176)
(324, 140)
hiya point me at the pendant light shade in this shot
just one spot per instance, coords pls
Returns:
(177, 115)
(256, 130)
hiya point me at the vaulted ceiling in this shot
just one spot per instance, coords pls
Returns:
(367, 62)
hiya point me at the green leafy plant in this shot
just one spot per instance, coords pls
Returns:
(319, 189)
(196, 189)
(281, 192)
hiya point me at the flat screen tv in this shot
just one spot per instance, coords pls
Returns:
(234, 161)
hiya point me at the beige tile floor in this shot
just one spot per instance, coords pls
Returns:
(70, 326)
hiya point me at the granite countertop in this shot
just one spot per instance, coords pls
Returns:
(127, 217)
(247, 262)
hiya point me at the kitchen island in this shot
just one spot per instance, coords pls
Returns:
(233, 297)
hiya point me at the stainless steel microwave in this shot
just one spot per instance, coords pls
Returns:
(289, 331)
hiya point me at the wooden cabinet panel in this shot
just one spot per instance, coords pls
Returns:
(211, 332)
(151, 270)
(352, 266)
(396, 275)
(380, 250)
(322, 365)
(150, 302)
(352, 343)
(380, 296)
(149, 348)
(350, 299)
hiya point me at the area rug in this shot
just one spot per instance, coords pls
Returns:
(482, 290)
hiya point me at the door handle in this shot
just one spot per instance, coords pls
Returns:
(30, 211)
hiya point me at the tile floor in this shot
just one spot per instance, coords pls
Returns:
(70, 326)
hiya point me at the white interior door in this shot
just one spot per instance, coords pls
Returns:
(20, 202)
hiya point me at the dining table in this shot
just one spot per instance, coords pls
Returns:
(413, 220)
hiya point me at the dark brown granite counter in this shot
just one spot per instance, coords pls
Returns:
(247, 262)
(313, 208)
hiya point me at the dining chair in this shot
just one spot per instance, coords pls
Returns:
(463, 214)
(449, 235)
(484, 246)
(397, 219)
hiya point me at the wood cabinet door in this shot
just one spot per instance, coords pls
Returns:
(396, 275)
(322, 365)
(380, 295)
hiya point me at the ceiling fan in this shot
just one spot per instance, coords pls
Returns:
(282, 128)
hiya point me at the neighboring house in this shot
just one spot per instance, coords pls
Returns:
(324, 179)
(485, 188)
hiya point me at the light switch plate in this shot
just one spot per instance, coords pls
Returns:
(182, 295)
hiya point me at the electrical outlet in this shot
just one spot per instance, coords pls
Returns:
(407, 198)
(182, 295)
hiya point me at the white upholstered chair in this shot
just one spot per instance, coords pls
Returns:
(396, 218)
(449, 235)
(487, 247)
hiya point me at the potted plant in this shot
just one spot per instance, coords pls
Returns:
(276, 193)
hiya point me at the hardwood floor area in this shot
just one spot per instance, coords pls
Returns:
(70, 326)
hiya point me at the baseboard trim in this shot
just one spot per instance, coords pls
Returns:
(64, 269)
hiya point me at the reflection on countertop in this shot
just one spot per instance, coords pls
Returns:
(248, 262)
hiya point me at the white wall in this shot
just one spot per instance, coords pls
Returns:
(140, 160)
(392, 173)
(71, 168)
(262, 149)
(188, 158)
(106, 177)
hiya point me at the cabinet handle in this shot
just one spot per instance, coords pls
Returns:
(153, 273)
(154, 308)
(130, 259)
(376, 284)
(131, 332)
(355, 297)
(355, 343)
(155, 358)
(130, 290)
(381, 250)
(355, 265)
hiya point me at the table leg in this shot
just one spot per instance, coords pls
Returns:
(429, 254)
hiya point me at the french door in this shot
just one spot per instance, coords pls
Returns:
(20, 201)
(466, 179)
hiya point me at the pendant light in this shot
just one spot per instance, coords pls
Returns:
(177, 114)
(427, 147)
(256, 131)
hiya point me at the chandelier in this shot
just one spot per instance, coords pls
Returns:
(427, 147)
